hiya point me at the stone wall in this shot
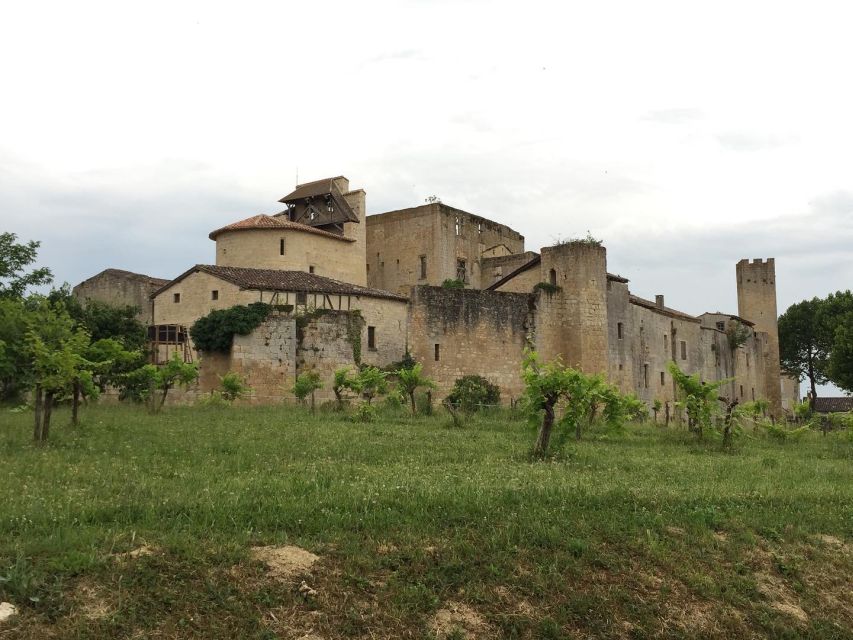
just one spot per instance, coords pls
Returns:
(119, 288)
(396, 240)
(261, 249)
(325, 343)
(475, 332)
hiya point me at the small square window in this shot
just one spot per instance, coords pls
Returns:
(311, 268)
(371, 337)
(721, 326)
(176, 297)
(214, 295)
(301, 297)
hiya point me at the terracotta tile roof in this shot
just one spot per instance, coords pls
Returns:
(672, 313)
(275, 280)
(833, 405)
(271, 222)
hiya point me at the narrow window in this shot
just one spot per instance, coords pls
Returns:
(665, 342)
(371, 337)
(683, 350)
(741, 391)
(620, 367)
(662, 381)
(753, 394)
(437, 352)
(458, 226)
(214, 295)
(281, 247)
(747, 360)
(176, 297)
(619, 330)
(311, 268)
(301, 297)
(552, 277)
(646, 376)
(423, 267)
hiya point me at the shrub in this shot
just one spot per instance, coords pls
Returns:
(453, 283)
(306, 384)
(215, 331)
(471, 393)
(233, 386)
(213, 399)
(365, 412)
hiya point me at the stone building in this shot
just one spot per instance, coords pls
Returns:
(352, 289)
(118, 287)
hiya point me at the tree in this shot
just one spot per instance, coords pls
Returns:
(233, 386)
(372, 383)
(841, 360)
(698, 398)
(803, 349)
(15, 364)
(306, 384)
(410, 380)
(345, 383)
(150, 379)
(14, 260)
(471, 393)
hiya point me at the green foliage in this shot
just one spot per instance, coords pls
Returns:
(214, 399)
(15, 371)
(780, 433)
(737, 334)
(216, 330)
(102, 320)
(698, 398)
(372, 382)
(635, 409)
(15, 259)
(587, 241)
(354, 324)
(453, 283)
(410, 380)
(364, 412)
(473, 392)
(233, 386)
(547, 287)
(306, 384)
(407, 362)
(582, 395)
(150, 379)
(803, 411)
(841, 359)
(345, 383)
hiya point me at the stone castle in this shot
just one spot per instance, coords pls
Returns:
(351, 289)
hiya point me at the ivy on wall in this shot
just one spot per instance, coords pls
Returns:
(216, 330)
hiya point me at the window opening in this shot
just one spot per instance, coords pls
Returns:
(176, 297)
(437, 352)
(214, 295)
(371, 337)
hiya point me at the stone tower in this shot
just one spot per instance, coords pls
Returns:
(756, 301)
(572, 316)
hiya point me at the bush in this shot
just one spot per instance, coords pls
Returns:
(213, 399)
(364, 412)
(471, 393)
(453, 283)
(234, 386)
(215, 331)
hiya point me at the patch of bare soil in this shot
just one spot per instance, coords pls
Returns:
(93, 605)
(139, 552)
(285, 562)
(780, 596)
(456, 617)
(832, 541)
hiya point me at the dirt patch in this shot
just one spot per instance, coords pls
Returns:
(780, 596)
(139, 552)
(456, 617)
(285, 562)
(93, 605)
(386, 548)
(675, 531)
(831, 541)
(7, 610)
(721, 537)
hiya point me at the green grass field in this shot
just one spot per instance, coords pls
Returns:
(422, 530)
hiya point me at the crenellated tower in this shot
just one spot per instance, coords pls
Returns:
(756, 301)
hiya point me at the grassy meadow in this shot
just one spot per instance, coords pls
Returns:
(140, 526)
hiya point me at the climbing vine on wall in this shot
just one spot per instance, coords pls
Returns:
(215, 331)
(354, 324)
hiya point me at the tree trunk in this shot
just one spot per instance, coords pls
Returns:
(655, 412)
(813, 385)
(544, 437)
(39, 406)
(75, 403)
(412, 400)
(666, 414)
(727, 425)
(312, 403)
(163, 397)
(48, 408)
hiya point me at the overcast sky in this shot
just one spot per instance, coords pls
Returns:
(686, 135)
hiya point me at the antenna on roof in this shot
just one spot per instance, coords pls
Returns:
(297, 177)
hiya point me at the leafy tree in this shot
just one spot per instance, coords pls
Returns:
(306, 384)
(15, 258)
(103, 320)
(152, 380)
(698, 398)
(15, 370)
(841, 360)
(410, 380)
(372, 383)
(470, 393)
(657, 405)
(346, 382)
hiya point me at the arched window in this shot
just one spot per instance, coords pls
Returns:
(552, 277)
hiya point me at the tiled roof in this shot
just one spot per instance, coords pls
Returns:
(648, 304)
(275, 280)
(130, 275)
(271, 222)
(311, 189)
(833, 405)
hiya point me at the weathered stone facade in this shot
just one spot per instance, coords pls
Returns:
(561, 302)
(118, 287)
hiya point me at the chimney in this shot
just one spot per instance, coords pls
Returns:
(659, 301)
